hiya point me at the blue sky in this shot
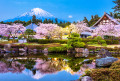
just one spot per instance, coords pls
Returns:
(72, 10)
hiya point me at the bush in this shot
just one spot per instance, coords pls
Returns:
(112, 41)
(74, 41)
(74, 35)
(89, 37)
(78, 44)
(82, 45)
(102, 41)
(57, 49)
(46, 41)
(98, 38)
(69, 47)
(106, 74)
(89, 42)
(115, 65)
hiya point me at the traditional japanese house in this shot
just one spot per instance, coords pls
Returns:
(104, 20)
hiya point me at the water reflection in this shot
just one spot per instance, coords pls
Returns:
(11, 66)
(42, 66)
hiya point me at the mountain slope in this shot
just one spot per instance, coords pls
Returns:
(38, 12)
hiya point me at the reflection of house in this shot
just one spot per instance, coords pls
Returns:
(104, 20)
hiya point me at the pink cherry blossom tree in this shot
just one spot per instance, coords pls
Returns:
(12, 31)
(82, 27)
(110, 30)
(46, 30)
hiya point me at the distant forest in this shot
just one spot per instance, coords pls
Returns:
(36, 21)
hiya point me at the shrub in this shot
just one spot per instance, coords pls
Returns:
(115, 65)
(102, 42)
(86, 40)
(78, 44)
(74, 35)
(74, 41)
(89, 42)
(82, 45)
(46, 41)
(106, 74)
(98, 38)
(57, 49)
(89, 37)
(112, 41)
(69, 47)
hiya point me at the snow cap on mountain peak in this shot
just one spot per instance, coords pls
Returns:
(38, 12)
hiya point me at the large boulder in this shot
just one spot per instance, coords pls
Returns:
(103, 53)
(86, 78)
(103, 62)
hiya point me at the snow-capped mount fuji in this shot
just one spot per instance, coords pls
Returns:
(38, 12)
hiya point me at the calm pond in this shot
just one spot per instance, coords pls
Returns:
(42, 67)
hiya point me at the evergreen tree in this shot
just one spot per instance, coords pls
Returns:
(115, 15)
(111, 14)
(60, 22)
(52, 21)
(86, 21)
(93, 20)
(74, 22)
(2, 22)
(33, 19)
(92, 17)
(56, 20)
(117, 6)
(45, 21)
(49, 21)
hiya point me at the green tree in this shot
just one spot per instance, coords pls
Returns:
(45, 21)
(111, 14)
(117, 6)
(93, 20)
(2, 22)
(74, 41)
(56, 20)
(33, 19)
(86, 21)
(29, 32)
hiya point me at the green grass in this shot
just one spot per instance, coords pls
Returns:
(108, 46)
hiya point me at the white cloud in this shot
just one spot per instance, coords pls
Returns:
(70, 16)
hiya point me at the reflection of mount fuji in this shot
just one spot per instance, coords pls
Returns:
(38, 12)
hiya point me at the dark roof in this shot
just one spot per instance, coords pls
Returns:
(111, 18)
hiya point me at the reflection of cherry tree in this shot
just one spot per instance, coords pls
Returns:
(14, 67)
(48, 66)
